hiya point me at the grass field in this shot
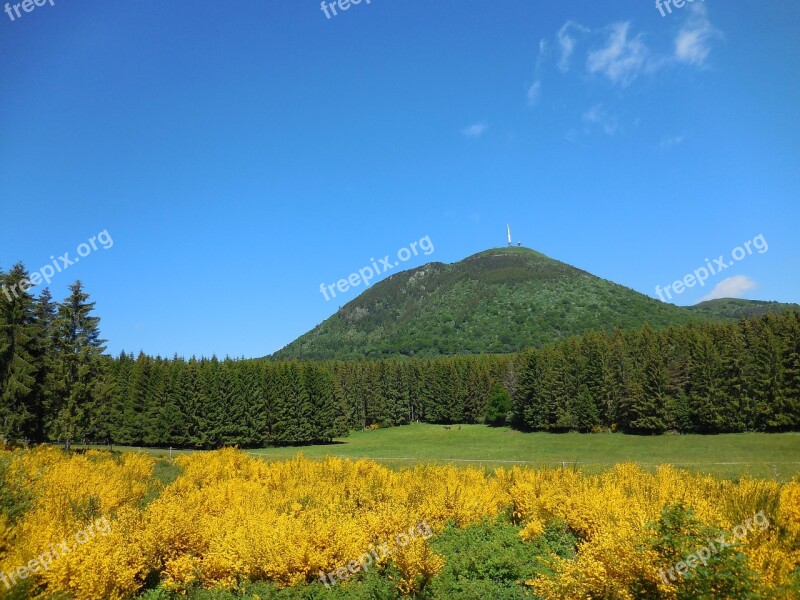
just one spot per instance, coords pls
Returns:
(772, 456)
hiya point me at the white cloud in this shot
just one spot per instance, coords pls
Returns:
(693, 42)
(475, 130)
(623, 56)
(621, 59)
(598, 116)
(567, 43)
(535, 89)
(732, 287)
(571, 136)
(544, 52)
(670, 141)
(534, 93)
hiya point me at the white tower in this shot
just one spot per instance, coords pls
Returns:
(508, 227)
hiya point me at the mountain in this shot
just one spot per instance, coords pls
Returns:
(734, 308)
(496, 301)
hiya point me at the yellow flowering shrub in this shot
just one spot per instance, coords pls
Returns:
(68, 495)
(229, 519)
(610, 513)
(418, 564)
(790, 508)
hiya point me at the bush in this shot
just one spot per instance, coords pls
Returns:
(677, 535)
(490, 560)
(499, 408)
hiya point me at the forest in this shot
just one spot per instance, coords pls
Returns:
(57, 384)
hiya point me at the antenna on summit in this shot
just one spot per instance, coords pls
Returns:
(508, 227)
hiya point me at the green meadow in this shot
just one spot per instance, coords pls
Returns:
(773, 455)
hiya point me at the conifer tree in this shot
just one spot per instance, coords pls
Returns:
(211, 386)
(791, 367)
(78, 351)
(766, 376)
(324, 417)
(293, 411)
(193, 405)
(372, 392)
(21, 360)
(731, 343)
(706, 398)
(648, 407)
(136, 399)
(478, 393)
(396, 394)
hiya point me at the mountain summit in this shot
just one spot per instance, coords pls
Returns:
(496, 301)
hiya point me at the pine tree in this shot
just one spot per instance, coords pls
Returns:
(413, 379)
(790, 333)
(324, 416)
(156, 401)
(436, 390)
(572, 368)
(120, 372)
(135, 400)
(596, 376)
(193, 405)
(233, 419)
(265, 419)
(78, 351)
(45, 312)
(454, 394)
(22, 361)
(252, 397)
(765, 376)
(396, 393)
(478, 393)
(538, 387)
(102, 416)
(648, 393)
(554, 391)
(213, 409)
(706, 399)
(293, 410)
(731, 343)
(372, 397)
(584, 411)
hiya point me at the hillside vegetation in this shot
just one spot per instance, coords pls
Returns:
(497, 301)
(736, 308)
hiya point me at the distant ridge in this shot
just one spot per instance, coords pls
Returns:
(735, 308)
(495, 301)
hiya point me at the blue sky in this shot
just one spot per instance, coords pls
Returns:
(240, 154)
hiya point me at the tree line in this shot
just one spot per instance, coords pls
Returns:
(696, 378)
(58, 384)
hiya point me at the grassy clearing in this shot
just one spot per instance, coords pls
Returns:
(771, 456)
(730, 455)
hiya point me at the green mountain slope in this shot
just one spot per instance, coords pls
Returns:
(496, 301)
(733, 308)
